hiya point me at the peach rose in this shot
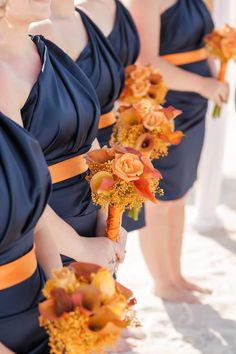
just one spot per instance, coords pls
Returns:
(156, 78)
(141, 73)
(127, 167)
(64, 278)
(221, 43)
(154, 119)
(157, 93)
(143, 107)
(140, 88)
(228, 46)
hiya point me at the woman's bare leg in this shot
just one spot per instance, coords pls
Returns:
(158, 250)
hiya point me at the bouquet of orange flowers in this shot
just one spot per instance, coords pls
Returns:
(221, 44)
(85, 309)
(121, 178)
(143, 82)
(147, 127)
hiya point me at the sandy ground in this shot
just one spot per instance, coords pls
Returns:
(208, 328)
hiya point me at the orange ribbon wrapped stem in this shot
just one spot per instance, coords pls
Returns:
(221, 78)
(113, 222)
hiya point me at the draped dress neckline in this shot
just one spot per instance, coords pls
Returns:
(42, 51)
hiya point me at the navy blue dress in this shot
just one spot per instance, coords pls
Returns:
(100, 63)
(24, 189)
(124, 37)
(183, 27)
(102, 66)
(62, 112)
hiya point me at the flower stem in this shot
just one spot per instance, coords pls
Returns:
(216, 111)
(133, 213)
(113, 222)
(221, 78)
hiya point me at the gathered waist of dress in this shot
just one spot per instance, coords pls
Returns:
(18, 270)
(106, 120)
(186, 57)
(67, 169)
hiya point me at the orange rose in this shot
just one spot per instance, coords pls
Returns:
(64, 278)
(155, 78)
(221, 43)
(127, 167)
(153, 120)
(140, 88)
(157, 93)
(152, 115)
(228, 46)
(141, 73)
(143, 107)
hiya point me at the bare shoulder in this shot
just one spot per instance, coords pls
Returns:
(98, 10)
(42, 27)
(144, 5)
(9, 98)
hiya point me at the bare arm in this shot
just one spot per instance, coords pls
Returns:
(46, 249)
(175, 77)
(5, 350)
(97, 250)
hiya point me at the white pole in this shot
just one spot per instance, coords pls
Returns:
(209, 184)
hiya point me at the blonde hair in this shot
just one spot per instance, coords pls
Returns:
(3, 7)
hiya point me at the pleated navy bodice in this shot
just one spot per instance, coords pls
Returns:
(62, 112)
(62, 109)
(124, 37)
(24, 190)
(101, 65)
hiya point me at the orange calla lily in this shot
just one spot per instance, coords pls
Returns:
(149, 169)
(104, 316)
(90, 298)
(104, 282)
(143, 189)
(102, 182)
(127, 293)
(145, 143)
(171, 137)
(48, 309)
(171, 112)
(129, 117)
(60, 303)
(99, 156)
(84, 270)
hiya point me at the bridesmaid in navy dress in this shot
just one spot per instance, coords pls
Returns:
(91, 52)
(119, 27)
(60, 108)
(25, 188)
(172, 35)
(122, 34)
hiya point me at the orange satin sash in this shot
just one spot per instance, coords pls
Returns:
(106, 120)
(186, 57)
(68, 168)
(19, 270)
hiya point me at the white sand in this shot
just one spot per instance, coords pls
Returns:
(209, 328)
